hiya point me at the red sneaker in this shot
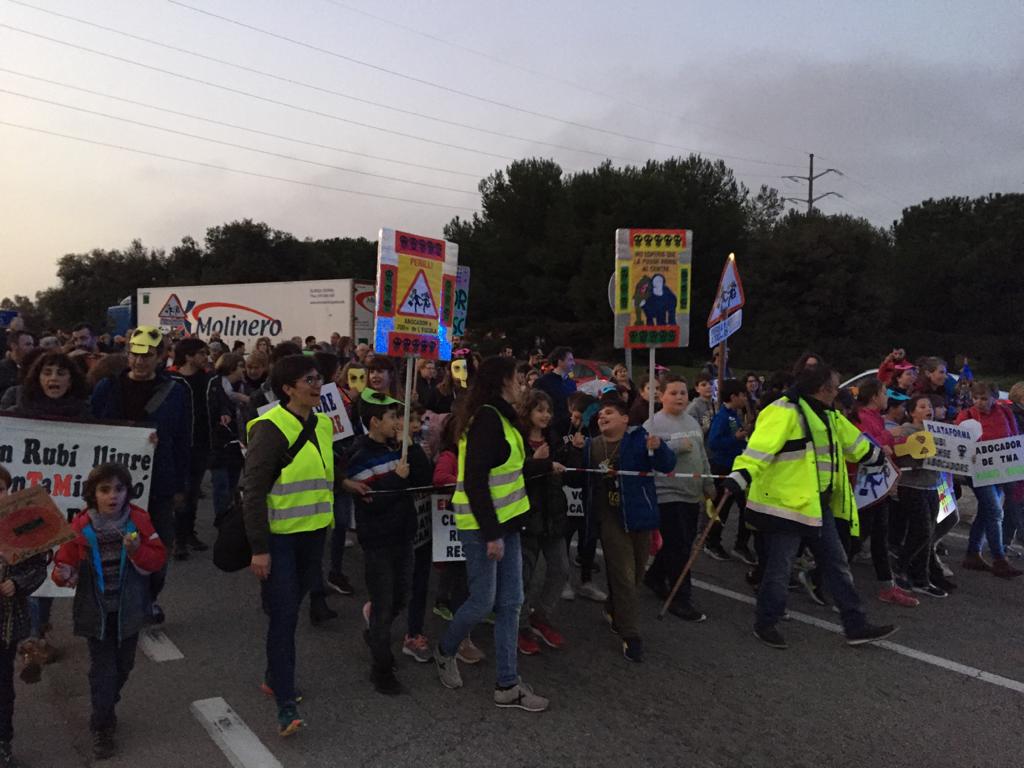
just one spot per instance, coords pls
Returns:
(527, 645)
(897, 596)
(546, 633)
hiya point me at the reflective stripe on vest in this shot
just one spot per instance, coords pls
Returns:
(302, 498)
(506, 482)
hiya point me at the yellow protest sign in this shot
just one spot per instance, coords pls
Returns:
(920, 445)
(652, 287)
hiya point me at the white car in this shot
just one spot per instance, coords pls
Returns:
(860, 378)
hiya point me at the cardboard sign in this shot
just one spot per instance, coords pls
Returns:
(652, 287)
(954, 448)
(424, 521)
(719, 332)
(947, 498)
(920, 445)
(416, 278)
(461, 301)
(999, 461)
(447, 546)
(331, 405)
(30, 523)
(873, 485)
(574, 496)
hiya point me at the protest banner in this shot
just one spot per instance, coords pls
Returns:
(447, 547)
(954, 448)
(461, 301)
(424, 520)
(874, 485)
(58, 455)
(331, 405)
(999, 461)
(947, 498)
(652, 287)
(574, 497)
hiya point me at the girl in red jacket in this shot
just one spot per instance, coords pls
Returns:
(109, 561)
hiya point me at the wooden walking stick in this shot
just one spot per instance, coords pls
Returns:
(697, 547)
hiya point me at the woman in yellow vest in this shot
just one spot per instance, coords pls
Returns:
(794, 474)
(489, 503)
(289, 496)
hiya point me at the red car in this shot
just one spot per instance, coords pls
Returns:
(588, 370)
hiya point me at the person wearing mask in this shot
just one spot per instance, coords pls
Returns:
(288, 507)
(489, 501)
(146, 395)
(793, 473)
(191, 357)
(558, 385)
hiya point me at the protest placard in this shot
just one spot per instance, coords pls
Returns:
(461, 301)
(331, 405)
(447, 547)
(954, 448)
(424, 521)
(999, 461)
(873, 485)
(574, 497)
(947, 498)
(30, 523)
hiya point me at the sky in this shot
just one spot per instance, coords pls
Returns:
(156, 119)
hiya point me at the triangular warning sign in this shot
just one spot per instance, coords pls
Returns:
(419, 299)
(729, 296)
(172, 311)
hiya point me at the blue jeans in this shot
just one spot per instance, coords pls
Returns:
(294, 564)
(494, 585)
(1013, 520)
(225, 481)
(39, 614)
(988, 523)
(832, 564)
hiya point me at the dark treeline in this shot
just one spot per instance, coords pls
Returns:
(941, 280)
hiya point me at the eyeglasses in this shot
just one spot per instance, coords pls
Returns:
(313, 379)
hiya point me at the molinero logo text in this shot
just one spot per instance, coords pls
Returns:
(233, 320)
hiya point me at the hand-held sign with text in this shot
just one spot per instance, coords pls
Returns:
(986, 462)
(331, 405)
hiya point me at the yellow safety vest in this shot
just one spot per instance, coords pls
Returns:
(789, 469)
(506, 482)
(302, 498)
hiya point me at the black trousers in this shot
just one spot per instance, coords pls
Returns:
(920, 508)
(7, 656)
(388, 573)
(874, 522)
(110, 664)
(185, 517)
(740, 502)
(679, 522)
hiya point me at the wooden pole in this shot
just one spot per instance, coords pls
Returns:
(697, 547)
(409, 366)
(651, 390)
(723, 350)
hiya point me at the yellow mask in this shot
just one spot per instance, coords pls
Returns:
(459, 372)
(357, 379)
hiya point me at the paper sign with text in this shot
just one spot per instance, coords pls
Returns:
(424, 521)
(446, 542)
(331, 405)
(574, 497)
(999, 461)
(954, 449)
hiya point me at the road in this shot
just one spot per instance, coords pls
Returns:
(708, 695)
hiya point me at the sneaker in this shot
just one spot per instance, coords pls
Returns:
(447, 669)
(657, 586)
(417, 647)
(103, 746)
(592, 592)
(609, 619)
(339, 583)
(367, 607)
(546, 633)
(1015, 552)
(520, 696)
(941, 549)
(444, 611)
(686, 612)
(902, 581)
(568, 593)
(870, 633)
(931, 590)
(794, 583)
(319, 611)
(156, 614)
(973, 561)
(288, 720)
(527, 645)
(266, 690)
(633, 649)
(469, 653)
(946, 570)
(195, 543)
(180, 552)
(385, 682)
(716, 551)
(812, 591)
(742, 553)
(897, 596)
(771, 637)
(943, 583)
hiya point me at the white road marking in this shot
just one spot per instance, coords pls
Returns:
(911, 653)
(240, 745)
(158, 646)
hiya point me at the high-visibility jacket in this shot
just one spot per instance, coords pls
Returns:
(506, 482)
(793, 458)
(302, 498)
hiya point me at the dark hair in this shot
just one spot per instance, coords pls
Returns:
(938, 401)
(13, 337)
(449, 440)
(28, 360)
(487, 387)
(327, 363)
(558, 354)
(310, 339)
(801, 362)
(448, 385)
(84, 327)
(102, 473)
(534, 398)
(914, 400)
(417, 409)
(287, 371)
(612, 400)
(238, 346)
(811, 380)
(846, 400)
(368, 410)
(580, 401)
(867, 391)
(5, 477)
(228, 363)
(702, 377)
(929, 364)
(33, 390)
(186, 348)
(672, 378)
(283, 350)
(381, 363)
(731, 388)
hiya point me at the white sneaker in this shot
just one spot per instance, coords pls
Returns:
(568, 593)
(591, 592)
(520, 696)
(447, 669)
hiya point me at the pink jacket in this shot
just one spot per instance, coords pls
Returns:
(872, 424)
(998, 422)
(446, 471)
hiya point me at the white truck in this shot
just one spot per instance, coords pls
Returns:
(247, 311)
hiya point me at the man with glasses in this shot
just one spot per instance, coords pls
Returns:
(146, 394)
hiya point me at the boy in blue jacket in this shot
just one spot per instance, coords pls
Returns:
(727, 439)
(626, 509)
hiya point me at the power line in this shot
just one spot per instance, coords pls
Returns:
(466, 94)
(228, 169)
(235, 126)
(810, 178)
(279, 155)
(556, 79)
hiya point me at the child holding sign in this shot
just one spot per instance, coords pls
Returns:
(109, 560)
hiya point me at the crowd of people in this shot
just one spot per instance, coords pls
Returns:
(503, 439)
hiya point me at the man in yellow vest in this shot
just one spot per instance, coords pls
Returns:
(289, 496)
(794, 474)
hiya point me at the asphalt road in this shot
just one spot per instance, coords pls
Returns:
(708, 695)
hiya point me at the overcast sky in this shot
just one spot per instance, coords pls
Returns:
(910, 100)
